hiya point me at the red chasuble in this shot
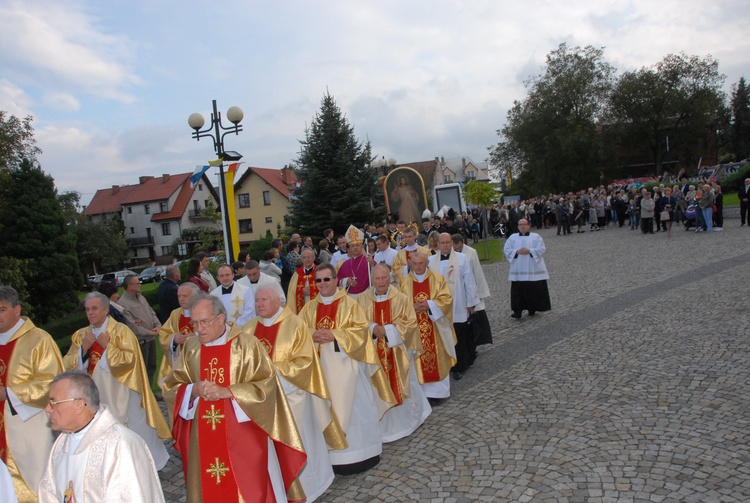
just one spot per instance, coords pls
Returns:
(325, 316)
(428, 360)
(95, 354)
(6, 351)
(382, 316)
(233, 455)
(267, 336)
(299, 296)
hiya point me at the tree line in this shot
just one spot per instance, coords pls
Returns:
(580, 122)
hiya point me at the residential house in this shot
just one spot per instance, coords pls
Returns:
(261, 198)
(155, 212)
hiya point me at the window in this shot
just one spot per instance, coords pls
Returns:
(244, 200)
(166, 229)
(132, 230)
(448, 178)
(130, 210)
(166, 250)
(471, 175)
(146, 209)
(246, 225)
(269, 220)
(267, 197)
(163, 207)
(200, 187)
(135, 252)
(205, 203)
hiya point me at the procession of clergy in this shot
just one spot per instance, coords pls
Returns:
(264, 410)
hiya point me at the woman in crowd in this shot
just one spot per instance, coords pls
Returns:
(432, 242)
(292, 254)
(268, 265)
(195, 268)
(706, 206)
(324, 255)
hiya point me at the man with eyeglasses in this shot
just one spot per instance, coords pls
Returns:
(29, 359)
(96, 458)
(359, 389)
(109, 352)
(142, 320)
(287, 340)
(527, 273)
(232, 423)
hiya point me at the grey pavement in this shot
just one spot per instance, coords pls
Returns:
(635, 387)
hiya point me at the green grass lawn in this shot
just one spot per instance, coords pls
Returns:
(731, 199)
(489, 250)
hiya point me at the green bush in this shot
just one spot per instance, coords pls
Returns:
(733, 182)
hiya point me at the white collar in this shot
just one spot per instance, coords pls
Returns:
(267, 322)
(381, 297)
(327, 300)
(221, 340)
(420, 277)
(97, 331)
(5, 336)
(186, 313)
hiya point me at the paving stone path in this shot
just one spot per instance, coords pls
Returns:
(635, 387)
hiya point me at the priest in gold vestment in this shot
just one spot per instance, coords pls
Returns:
(109, 352)
(434, 307)
(290, 346)
(29, 359)
(393, 324)
(175, 331)
(232, 423)
(403, 257)
(359, 390)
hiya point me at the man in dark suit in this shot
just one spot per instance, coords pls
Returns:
(744, 195)
(167, 293)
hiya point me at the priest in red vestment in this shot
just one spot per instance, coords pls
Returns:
(232, 423)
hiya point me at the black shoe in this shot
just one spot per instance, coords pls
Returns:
(458, 376)
(516, 314)
(532, 313)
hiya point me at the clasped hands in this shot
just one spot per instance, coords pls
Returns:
(323, 335)
(90, 339)
(209, 391)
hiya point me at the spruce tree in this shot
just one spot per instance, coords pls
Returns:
(739, 131)
(34, 229)
(337, 182)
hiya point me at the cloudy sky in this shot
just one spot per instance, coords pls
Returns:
(110, 84)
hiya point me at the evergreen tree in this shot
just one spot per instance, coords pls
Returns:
(34, 229)
(337, 182)
(739, 127)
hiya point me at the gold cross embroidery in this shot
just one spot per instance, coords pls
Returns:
(217, 470)
(213, 416)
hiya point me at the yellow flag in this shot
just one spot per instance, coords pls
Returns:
(216, 162)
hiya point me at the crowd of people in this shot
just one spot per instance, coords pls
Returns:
(278, 375)
(697, 206)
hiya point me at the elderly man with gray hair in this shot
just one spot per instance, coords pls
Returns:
(96, 458)
(109, 352)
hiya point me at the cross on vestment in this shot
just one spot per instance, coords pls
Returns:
(237, 303)
(213, 416)
(217, 469)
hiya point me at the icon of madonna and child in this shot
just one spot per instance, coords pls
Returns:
(405, 195)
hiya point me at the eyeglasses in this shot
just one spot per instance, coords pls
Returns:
(198, 324)
(320, 280)
(53, 403)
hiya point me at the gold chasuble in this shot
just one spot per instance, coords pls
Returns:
(291, 348)
(351, 332)
(438, 338)
(177, 323)
(402, 260)
(28, 362)
(396, 310)
(226, 460)
(125, 362)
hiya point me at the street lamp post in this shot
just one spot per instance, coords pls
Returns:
(216, 130)
(384, 165)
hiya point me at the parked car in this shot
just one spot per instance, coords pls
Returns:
(117, 277)
(94, 280)
(151, 274)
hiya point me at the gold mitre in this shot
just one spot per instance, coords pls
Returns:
(354, 236)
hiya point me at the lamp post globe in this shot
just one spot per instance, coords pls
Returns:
(235, 115)
(196, 121)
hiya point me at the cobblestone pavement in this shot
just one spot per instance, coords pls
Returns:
(635, 387)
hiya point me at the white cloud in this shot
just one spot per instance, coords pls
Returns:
(14, 99)
(56, 44)
(62, 101)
